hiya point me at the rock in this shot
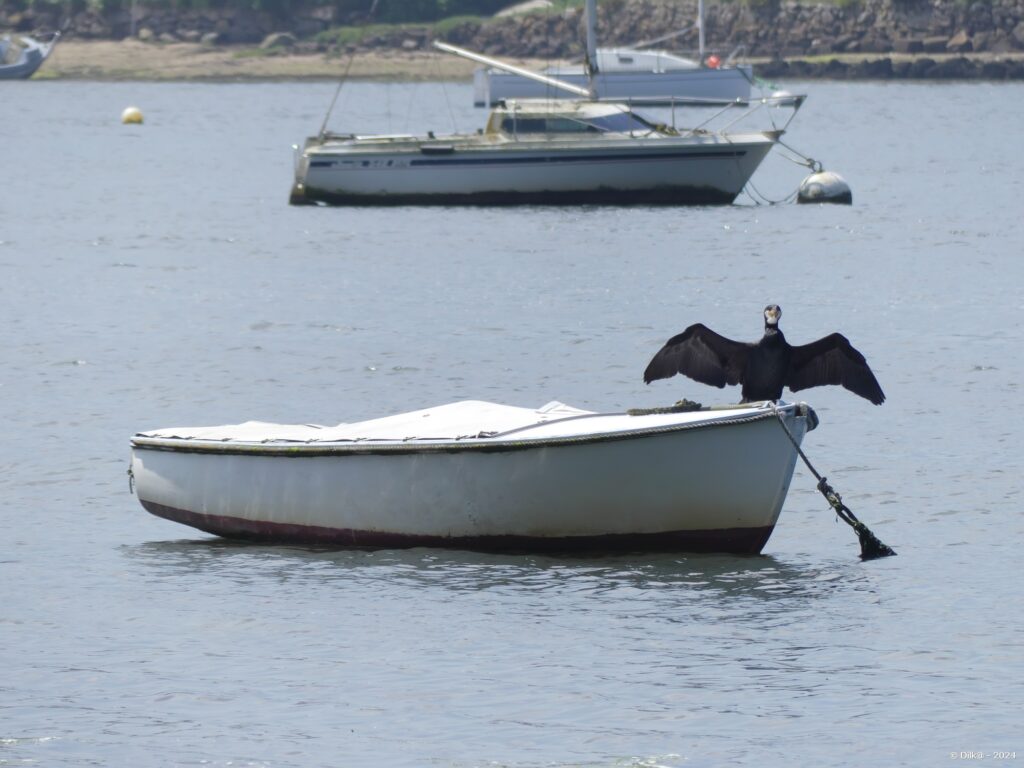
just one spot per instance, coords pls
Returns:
(191, 35)
(328, 14)
(1018, 35)
(146, 35)
(959, 68)
(908, 45)
(835, 68)
(278, 40)
(876, 42)
(878, 69)
(935, 44)
(167, 37)
(960, 42)
(980, 15)
(211, 38)
(993, 70)
(920, 68)
(843, 42)
(1001, 42)
(774, 68)
(410, 45)
(308, 26)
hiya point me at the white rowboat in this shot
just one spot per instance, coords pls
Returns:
(483, 476)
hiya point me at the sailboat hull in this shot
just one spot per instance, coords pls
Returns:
(700, 85)
(693, 170)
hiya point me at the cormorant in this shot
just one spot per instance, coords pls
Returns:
(766, 367)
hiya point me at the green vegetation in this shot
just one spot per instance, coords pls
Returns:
(259, 53)
(434, 10)
(342, 36)
(371, 14)
(447, 25)
(383, 11)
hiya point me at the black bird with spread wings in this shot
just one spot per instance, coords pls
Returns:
(766, 367)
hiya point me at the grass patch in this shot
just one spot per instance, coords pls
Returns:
(444, 26)
(259, 53)
(354, 35)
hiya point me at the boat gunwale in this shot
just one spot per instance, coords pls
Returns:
(491, 444)
(474, 142)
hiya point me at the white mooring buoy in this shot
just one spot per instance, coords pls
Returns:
(131, 115)
(824, 187)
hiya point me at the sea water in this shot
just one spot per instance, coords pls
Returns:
(154, 276)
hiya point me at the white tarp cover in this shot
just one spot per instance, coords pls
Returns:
(468, 418)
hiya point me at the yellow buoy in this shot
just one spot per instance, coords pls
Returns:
(131, 115)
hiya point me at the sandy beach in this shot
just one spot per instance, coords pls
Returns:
(133, 60)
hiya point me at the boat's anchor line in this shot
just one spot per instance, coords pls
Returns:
(870, 546)
(760, 198)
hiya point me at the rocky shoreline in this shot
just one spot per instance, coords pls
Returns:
(863, 39)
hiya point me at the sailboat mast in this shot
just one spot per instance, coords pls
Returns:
(591, 19)
(700, 30)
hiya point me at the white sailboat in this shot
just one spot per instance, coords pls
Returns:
(541, 151)
(634, 74)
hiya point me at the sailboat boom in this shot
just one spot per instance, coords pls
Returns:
(496, 64)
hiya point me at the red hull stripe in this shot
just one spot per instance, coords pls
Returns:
(739, 541)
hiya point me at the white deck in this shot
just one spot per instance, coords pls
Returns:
(468, 420)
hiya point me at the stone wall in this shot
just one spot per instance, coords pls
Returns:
(760, 29)
(772, 29)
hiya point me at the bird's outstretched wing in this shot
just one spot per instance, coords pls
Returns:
(701, 354)
(833, 360)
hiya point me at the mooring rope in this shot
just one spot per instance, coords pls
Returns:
(760, 198)
(810, 162)
(870, 546)
(754, 193)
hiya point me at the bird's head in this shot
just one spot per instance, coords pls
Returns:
(772, 313)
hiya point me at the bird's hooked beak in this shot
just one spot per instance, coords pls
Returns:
(772, 313)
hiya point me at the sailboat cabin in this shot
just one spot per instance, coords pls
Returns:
(542, 116)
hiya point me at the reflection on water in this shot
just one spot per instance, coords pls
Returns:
(642, 581)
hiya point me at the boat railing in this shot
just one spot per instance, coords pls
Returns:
(765, 105)
(747, 107)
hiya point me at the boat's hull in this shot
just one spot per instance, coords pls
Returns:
(699, 85)
(31, 57)
(664, 172)
(716, 487)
